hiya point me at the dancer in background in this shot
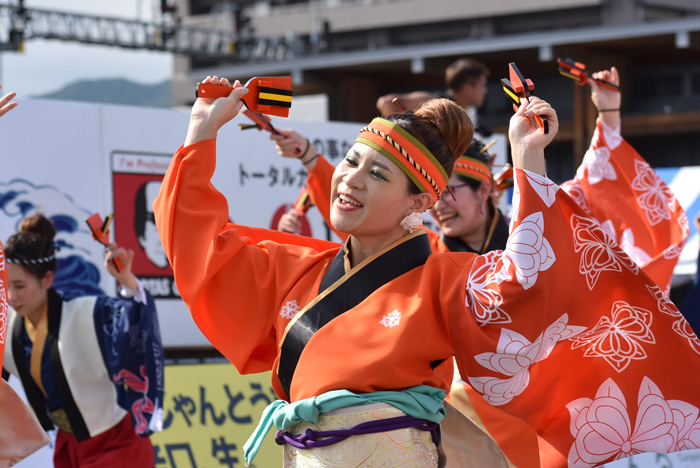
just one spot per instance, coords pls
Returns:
(91, 366)
(377, 321)
(466, 80)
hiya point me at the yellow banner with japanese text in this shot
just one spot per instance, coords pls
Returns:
(210, 410)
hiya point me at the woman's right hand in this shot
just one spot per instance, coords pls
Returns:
(287, 143)
(290, 144)
(209, 115)
(290, 222)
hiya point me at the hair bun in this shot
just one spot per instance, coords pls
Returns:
(475, 151)
(40, 226)
(452, 122)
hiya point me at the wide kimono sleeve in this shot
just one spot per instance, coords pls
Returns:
(131, 345)
(565, 331)
(615, 186)
(232, 284)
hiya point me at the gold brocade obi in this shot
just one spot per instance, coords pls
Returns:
(411, 446)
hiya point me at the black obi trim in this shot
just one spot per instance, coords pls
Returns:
(348, 293)
(36, 399)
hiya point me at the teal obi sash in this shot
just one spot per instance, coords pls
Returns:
(420, 402)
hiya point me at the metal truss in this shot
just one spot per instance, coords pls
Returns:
(18, 24)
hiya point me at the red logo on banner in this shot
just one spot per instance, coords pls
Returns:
(136, 181)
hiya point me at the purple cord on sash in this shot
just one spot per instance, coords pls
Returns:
(309, 439)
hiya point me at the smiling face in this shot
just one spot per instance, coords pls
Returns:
(27, 293)
(370, 196)
(462, 217)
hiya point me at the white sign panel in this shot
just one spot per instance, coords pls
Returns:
(70, 160)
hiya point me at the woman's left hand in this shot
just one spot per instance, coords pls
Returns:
(607, 99)
(527, 140)
(125, 257)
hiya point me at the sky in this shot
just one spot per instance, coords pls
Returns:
(49, 65)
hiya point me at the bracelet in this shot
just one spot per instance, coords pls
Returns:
(311, 160)
(308, 145)
(609, 110)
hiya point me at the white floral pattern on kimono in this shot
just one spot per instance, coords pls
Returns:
(575, 191)
(655, 198)
(528, 251)
(603, 430)
(596, 163)
(290, 309)
(513, 357)
(483, 301)
(626, 242)
(599, 252)
(618, 339)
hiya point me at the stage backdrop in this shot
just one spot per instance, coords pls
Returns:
(69, 160)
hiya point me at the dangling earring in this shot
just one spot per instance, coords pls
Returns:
(481, 209)
(412, 221)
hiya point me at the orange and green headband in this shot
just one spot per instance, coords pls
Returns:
(473, 168)
(408, 153)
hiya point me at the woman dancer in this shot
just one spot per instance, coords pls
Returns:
(379, 320)
(91, 366)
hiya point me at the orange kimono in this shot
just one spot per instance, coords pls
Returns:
(615, 186)
(538, 337)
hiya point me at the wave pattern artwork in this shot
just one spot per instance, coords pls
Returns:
(79, 257)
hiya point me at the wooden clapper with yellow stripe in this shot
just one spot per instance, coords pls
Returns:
(518, 87)
(268, 95)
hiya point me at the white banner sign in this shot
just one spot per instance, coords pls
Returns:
(70, 160)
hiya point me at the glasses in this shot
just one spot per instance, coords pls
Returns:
(455, 187)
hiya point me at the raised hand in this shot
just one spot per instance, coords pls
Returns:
(527, 140)
(209, 115)
(287, 142)
(290, 222)
(5, 104)
(126, 258)
(606, 99)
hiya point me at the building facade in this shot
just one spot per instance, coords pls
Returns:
(354, 51)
